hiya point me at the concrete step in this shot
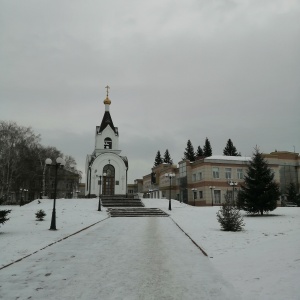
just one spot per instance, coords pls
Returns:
(136, 212)
(118, 201)
(121, 205)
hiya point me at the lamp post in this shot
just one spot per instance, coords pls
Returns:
(21, 199)
(233, 184)
(99, 203)
(194, 190)
(212, 196)
(90, 177)
(59, 163)
(170, 175)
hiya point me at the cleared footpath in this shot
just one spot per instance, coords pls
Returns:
(120, 258)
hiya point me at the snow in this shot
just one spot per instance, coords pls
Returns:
(261, 262)
(225, 157)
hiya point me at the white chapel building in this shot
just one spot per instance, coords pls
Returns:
(105, 165)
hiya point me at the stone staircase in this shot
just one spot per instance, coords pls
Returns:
(120, 201)
(136, 212)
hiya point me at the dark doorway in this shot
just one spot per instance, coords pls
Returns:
(109, 180)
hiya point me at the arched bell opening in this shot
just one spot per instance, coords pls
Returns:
(107, 143)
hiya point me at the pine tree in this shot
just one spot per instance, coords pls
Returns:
(199, 152)
(229, 216)
(230, 150)
(189, 152)
(260, 192)
(158, 159)
(3, 216)
(291, 195)
(167, 158)
(40, 214)
(207, 151)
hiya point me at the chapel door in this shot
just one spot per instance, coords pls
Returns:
(108, 180)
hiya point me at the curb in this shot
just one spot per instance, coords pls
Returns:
(60, 240)
(205, 254)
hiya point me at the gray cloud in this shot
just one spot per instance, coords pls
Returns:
(177, 71)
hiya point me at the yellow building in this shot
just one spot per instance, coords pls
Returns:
(205, 181)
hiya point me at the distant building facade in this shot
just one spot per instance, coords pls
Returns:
(205, 181)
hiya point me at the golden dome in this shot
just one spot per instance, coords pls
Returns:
(107, 101)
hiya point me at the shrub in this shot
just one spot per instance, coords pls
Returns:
(40, 214)
(229, 216)
(3, 216)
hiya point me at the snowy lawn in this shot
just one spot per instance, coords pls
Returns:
(261, 262)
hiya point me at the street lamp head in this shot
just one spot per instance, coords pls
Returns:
(104, 174)
(59, 160)
(169, 175)
(48, 161)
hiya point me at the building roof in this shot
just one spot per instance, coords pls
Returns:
(107, 121)
(224, 157)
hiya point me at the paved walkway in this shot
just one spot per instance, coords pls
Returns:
(120, 258)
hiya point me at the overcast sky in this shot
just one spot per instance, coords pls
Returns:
(178, 70)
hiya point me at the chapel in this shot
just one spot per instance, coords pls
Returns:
(106, 170)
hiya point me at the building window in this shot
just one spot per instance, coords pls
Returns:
(228, 173)
(194, 177)
(195, 195)
(200, 176)
(117, 182)
(216, 173)
(201, 194)
(240, 174)
(182, 170)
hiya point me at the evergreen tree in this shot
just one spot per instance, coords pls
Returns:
(199, 152)
(207, 151)
(229, 216)
(189, 152)
(167, 158)
(40, 214)
(158, 159)
(230, 150)
(260, 192)
(291, 195)
(3, 216)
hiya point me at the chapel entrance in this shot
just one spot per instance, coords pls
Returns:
(108, 180)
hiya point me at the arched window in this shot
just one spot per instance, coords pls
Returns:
(107, 143)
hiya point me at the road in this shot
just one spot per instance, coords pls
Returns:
(119, 258)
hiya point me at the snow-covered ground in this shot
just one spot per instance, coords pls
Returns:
(261, 262)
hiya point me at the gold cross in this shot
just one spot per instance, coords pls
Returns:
(107, 87)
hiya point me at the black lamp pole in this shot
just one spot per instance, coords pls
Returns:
(233, 184)
(170, 195)
(90, 177)
(212, 197)
(59, 162)
(21, 199)
(170, 175)
(194, 190)
(53, 219)
(99, 204)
